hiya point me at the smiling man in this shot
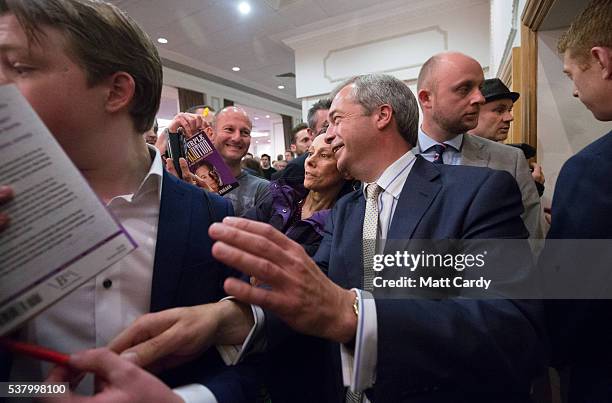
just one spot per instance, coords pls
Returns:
(391, 349)
(449, 92)
(230, 133)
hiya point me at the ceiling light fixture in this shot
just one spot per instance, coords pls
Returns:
(236, 68)
(256, 118)
(162, 40)
(244, 7)
(281, 87)
(267, 116)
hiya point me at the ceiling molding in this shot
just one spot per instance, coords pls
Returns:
(377, 14)
(535, 11)
(326, 59)
(226, 82)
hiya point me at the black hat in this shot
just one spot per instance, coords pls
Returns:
(494, 88)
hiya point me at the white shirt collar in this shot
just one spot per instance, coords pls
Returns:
(391, 178)
(426, 142)
(152, 180)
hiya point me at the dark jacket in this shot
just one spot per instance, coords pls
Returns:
(278, 209)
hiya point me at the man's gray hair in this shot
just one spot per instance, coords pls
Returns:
(321, 104)
(373, 90)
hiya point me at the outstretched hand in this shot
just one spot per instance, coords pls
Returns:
(172, 337)
(300, 293)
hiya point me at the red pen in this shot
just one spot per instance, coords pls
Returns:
(34, 351)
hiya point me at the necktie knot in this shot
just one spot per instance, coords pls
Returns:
(439, 149)
(372, 191)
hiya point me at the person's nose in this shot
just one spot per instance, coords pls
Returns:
(478, 98)
(508, 116)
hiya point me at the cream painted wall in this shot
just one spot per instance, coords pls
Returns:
(565, 125)
(397, 44)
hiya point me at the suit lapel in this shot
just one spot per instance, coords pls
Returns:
(473, 153)
(172, 237)
(352, 237)
(416, 197)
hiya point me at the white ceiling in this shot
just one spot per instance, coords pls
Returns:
(212, 36)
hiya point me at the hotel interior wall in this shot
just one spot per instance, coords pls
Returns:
(397, 43)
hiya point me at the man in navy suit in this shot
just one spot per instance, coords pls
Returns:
(97, 99)
(427, 350)
(582, 209)
(392, 349)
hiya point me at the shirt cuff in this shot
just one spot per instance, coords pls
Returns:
(195, 393)
(233, 354)
(359, 365)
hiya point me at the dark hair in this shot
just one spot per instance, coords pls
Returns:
(321, 104)
(298, 128)
(373, 90)
(266, 155)
(212, 171)
(103, 40)
(253, 165)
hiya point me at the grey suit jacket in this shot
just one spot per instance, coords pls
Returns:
(481, 152)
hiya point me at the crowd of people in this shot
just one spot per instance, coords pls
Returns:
(293, 247)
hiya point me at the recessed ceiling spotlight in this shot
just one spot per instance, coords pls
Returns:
(162, 40)
(236, 68)
(244, 7)
(281, 87)
(256, 118)
(267, 116)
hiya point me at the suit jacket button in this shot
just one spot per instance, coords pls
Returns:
(107, 283)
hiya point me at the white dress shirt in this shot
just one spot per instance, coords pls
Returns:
(100, 309)
(359, 365)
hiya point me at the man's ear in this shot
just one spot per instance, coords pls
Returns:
(121, 89)
(383, 116)
(603, 56)
(292, 147)
(424, 97)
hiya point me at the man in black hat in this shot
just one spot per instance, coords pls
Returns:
(496, 114)
(494, 122)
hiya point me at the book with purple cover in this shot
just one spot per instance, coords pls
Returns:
(205, 162)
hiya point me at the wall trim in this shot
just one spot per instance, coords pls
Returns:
(434, 28)
(534, 13)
